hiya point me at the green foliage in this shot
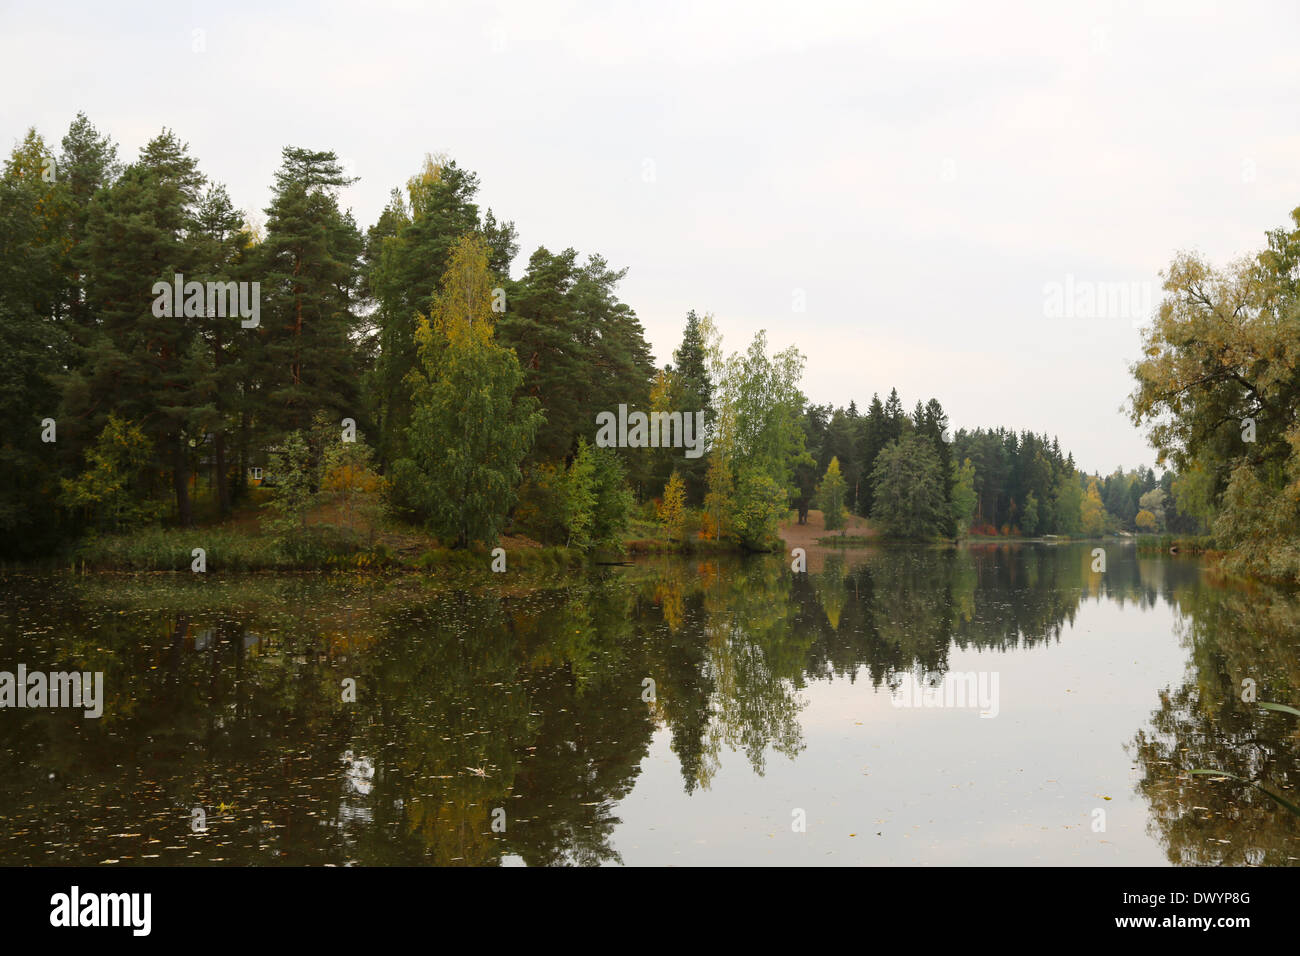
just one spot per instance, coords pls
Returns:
(171, 549)
(309, 268)
(758, 509)
(1218, 387)
(407, 253)
(590, 496)
(226, 549)
(830, 497)
(539, 511)
(1067, 503)
(692, 391)
(613, 505)
(138, 232)
(461, 403)
(718, 500)
(578, 497)
(1153, 503)
(759, 426)
(33, 346)
(469, 429)
(295, 489)
(1009, 467)
(1259, 526)
(883, 423)
(1194, 494)
(1029, 515)
(582, 350)
(963, 495)
(908, 483)
(109, 489)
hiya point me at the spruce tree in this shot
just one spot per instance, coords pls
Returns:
(693, 391)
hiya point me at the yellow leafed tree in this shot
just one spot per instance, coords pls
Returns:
(463, 310)
(1092, 511)
(672, 511)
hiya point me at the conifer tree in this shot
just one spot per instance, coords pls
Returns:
(693, 392)
(136, 360)
(309, 268)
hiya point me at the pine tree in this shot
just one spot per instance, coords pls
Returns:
(87, 163)
(222, 343)
(136, 362)
(310, 268)
(582, 350)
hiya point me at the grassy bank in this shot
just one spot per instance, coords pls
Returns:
(317, 548)
(241, 545)
(1176, 544)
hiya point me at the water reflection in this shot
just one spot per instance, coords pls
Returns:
(1242, 643)
(511, 723)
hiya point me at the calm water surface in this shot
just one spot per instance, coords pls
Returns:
(509, 724)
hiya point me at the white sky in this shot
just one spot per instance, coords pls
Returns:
(920, 171)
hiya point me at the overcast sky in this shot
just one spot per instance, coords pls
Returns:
(916, 174)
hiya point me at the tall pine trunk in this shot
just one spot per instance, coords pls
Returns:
(181, 481)
(243, 450)
(223, 485)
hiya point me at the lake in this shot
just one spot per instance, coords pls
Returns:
(986, 704)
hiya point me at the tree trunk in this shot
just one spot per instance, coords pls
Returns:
(223, 485)
(243, 450)
(181, 481)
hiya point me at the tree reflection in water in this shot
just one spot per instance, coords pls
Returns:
(523, 705)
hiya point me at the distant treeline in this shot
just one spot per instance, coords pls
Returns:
(990, 482)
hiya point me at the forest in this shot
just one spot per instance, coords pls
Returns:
(409, 375)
